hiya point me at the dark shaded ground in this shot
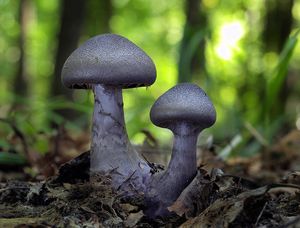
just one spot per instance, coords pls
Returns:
(262, 191)
(216, 200)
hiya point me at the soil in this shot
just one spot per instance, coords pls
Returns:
(261, 191)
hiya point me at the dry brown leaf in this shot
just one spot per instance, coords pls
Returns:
(199, 190)
(223, 211)
(133, 219)
(290, 190)
(128, 207)
(292, 178)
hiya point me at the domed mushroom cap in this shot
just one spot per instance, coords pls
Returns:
(185, 102)
(108, 59)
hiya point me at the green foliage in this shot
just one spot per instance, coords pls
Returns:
(187, 55)
(278, 76)
(243, 80)
(12, 159)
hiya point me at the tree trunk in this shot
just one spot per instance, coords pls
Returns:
(278, 24)
(192, 49)
(72, 15)
(98, 18)
(20, 82)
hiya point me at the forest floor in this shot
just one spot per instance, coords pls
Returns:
(261, 191)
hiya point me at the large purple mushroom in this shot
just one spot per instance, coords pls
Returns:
(107, 64)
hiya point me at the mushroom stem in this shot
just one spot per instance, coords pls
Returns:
(182, 167)
(111, 150)
(183, 164)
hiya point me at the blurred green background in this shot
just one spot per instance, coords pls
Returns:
(243, 53)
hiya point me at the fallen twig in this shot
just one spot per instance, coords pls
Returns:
(18, 133)
(260, 214)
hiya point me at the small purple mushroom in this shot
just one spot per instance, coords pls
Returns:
(107, 64)
(186, 110)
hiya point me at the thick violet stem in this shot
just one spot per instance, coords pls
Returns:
(167, 186)
(111, 150)
(183, 164)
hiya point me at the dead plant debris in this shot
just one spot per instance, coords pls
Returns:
(262, 191)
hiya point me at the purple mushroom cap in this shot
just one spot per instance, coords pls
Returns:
(110, 60)
(184, 102)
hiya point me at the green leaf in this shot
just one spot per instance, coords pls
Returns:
(277, 77)
(11, 159)
(42, 146)
(4, 144)
(57, 104)
(189, 52)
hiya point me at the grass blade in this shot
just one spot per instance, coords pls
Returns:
(277, 78)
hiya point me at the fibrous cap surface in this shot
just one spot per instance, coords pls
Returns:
(185, 102)
(108, 59)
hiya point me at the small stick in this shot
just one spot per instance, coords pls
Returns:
(256, 134)
(128, 179)
(278, 185)
(18, 133)
(260, 214)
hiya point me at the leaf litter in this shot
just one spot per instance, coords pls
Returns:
(262, 191)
